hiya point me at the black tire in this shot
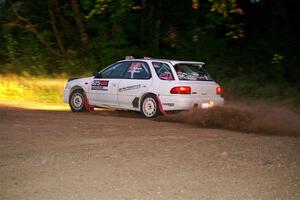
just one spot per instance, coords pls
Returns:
(150, 107)
(77, 101)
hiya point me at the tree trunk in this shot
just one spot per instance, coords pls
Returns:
(157, 28)
(69, 29)
(83, 34)
(32, 28)
(143, 23)
(55, 30)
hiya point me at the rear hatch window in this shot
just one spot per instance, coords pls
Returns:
(191, 72)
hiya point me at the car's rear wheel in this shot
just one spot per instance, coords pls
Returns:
(149, 106)
(77, 101)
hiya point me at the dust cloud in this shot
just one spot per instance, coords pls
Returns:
(248, 118)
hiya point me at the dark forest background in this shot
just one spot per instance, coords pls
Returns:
(250, 46)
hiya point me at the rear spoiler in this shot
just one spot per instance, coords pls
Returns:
(187, 62)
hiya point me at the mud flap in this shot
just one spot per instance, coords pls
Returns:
(87, 106)
(160, 106)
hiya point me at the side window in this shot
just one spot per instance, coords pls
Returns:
(163, 71)
(137, 70)
(115, 71)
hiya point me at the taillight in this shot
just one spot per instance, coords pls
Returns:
(181, 90)
(218, 90)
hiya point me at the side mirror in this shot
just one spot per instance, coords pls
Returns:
(95, 73)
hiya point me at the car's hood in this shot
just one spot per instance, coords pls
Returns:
(80, 80)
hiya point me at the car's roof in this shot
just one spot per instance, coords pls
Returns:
(173, 62)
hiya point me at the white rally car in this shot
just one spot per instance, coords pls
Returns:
(151, 86)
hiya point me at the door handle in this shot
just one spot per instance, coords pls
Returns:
(114, 85)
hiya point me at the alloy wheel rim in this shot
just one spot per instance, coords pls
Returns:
(77, 101)
(149, 107)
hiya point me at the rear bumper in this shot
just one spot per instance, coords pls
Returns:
(182, 102)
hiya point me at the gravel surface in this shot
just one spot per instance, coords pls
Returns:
(114, 155)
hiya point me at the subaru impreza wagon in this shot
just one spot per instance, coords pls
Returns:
(150, 86)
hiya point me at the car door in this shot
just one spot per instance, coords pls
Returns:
(104, 87)
(136, 81)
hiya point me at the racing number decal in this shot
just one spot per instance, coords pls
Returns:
(99, 85)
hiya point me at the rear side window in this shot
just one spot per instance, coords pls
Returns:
(191, 72)
(137, 70)
(163, 71)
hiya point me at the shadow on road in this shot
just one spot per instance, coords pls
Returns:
(117, 113)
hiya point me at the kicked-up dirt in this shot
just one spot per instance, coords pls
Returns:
(114, 155)
(249, 118)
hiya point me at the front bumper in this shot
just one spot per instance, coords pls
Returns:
(66, 94)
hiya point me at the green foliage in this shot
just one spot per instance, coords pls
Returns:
(11, 48)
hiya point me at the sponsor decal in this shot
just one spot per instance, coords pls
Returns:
(103, 83)
(169, 104)
(132, 87)
(99, 85)
(166, 76)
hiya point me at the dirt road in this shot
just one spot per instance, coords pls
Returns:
(121, 156)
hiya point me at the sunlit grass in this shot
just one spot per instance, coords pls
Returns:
(32, 89)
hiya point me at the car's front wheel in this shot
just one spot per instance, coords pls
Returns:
(77, 101)
(149, 106)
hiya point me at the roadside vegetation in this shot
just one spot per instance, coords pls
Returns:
(31, 88)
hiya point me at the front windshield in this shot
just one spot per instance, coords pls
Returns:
(191, 72)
